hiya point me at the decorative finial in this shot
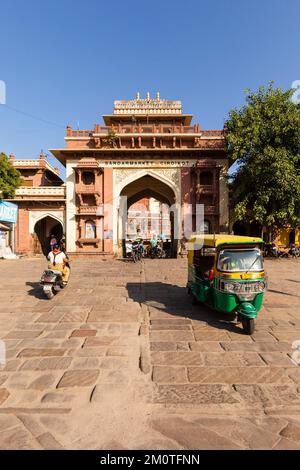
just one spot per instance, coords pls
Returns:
(158, 96)
(138, 96)
(148, 96)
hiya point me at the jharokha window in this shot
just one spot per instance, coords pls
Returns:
(206, 178)
(88, 177)
(90, 229)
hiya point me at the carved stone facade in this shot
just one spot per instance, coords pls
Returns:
(147, 147)
(41, 201)
(171, 174)
(89, 200)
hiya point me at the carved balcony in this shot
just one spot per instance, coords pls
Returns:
(85, 188)
(88, 241)
(90, 210)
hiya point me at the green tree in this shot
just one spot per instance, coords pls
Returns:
(10, 178)
(111, 140)
(263, 140)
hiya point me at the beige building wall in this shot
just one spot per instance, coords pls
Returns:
(224, 199)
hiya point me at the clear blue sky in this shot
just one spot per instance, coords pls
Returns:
(66, 61)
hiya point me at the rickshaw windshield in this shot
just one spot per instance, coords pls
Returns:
(231, 260)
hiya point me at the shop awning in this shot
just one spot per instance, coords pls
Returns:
(8, 212)
(4, 227)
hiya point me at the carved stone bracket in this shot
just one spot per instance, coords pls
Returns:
(172, 174)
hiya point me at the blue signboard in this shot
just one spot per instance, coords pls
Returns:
(8, 212)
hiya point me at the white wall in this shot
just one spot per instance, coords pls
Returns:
(70, 206)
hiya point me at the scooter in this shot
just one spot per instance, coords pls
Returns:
(157, 252)
(137, 252)
(52, 282)
(294, 251)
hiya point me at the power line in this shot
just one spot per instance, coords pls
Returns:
(35, 117)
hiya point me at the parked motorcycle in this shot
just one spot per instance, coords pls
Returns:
(52, 282)
(137, 252)
(294, 251)
(157, 252)
(271, 251)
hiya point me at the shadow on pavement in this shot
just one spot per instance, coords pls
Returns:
(282, 293)
(175, 301)
(36, 290)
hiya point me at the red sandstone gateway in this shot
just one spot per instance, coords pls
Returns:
(147, 148)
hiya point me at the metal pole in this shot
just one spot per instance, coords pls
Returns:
(13, 238)
(161, 221)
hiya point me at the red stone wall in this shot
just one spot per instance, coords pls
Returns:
(23, 237)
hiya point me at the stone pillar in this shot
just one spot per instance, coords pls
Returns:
(70, 208)
(108, 209)
(224, 200)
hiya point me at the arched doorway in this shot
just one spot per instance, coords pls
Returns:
(159, 200)
(43, 230)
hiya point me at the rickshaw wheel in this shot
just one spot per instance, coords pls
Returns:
(248, 325)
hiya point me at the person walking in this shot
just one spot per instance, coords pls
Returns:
(53, 241)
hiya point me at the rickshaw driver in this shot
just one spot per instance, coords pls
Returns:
(228, 263)
(236, 262)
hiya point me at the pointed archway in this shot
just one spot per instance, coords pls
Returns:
(43, 230)
(146, 186)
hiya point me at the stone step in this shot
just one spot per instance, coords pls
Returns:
(91, 254)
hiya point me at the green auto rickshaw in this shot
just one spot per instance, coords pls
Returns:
(226, 272)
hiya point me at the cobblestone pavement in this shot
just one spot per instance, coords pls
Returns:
(121, 360)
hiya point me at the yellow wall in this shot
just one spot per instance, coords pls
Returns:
(283, 237)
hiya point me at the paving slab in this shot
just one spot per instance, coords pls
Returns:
(124, 344)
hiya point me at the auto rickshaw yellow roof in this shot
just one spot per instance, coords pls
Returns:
(214, 240)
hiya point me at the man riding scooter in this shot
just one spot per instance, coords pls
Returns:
(59, 261)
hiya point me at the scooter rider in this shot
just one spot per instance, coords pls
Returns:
(59, 262)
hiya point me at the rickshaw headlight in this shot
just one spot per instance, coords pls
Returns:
(230, 287)
(261, 286)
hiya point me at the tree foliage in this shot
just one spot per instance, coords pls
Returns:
(111, 140)
(10, 178)
(263, 140)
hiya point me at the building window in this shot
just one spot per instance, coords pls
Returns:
(206, 178)
(205, 227)
(90, 229)
(88, 177)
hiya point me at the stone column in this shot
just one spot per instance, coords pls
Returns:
(70, 208)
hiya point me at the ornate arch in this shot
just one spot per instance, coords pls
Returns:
(171, 177)
(168, 176)
(42, 215)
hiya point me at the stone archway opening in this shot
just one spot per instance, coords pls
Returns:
(148, 213)
(43, 230)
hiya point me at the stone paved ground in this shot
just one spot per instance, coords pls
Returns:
(121, 359)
